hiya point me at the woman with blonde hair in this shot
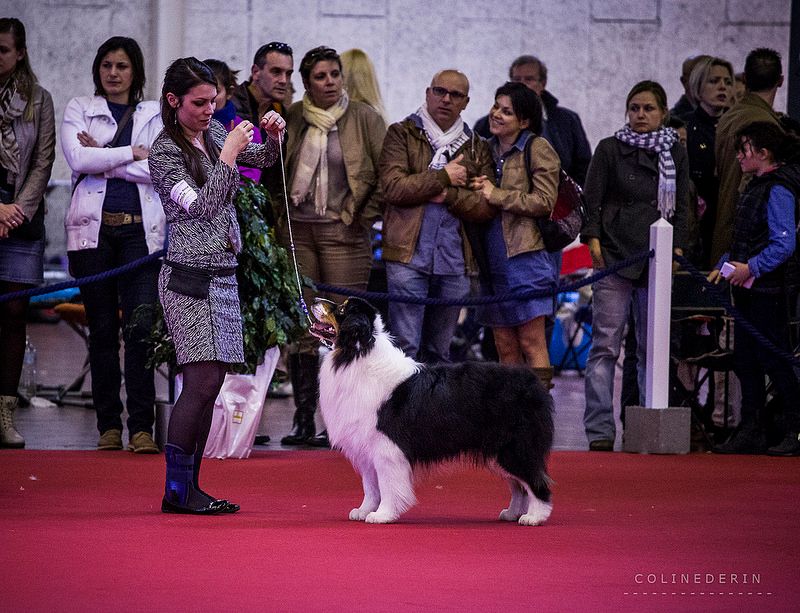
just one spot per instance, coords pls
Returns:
(711, 91)
(360, 80)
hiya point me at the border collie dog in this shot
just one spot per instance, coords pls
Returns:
(390, 416)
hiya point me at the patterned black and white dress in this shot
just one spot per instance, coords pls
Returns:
(203, 235)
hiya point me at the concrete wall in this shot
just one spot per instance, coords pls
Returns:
(595, 50)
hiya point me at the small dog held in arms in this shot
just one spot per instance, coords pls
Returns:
(390, 416)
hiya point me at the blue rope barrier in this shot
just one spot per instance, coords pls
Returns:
(714, 290)
(49, 289)
(473, 301)
(481, 300)
(722, 299)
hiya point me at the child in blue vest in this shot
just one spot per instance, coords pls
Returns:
(762, 268)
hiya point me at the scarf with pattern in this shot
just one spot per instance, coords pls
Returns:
(12, 105)
(445, 144)
(312, 159)
(659, 141)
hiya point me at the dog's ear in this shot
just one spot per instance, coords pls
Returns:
(356, 331)
(354, 305)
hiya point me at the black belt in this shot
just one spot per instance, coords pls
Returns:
(213, 272)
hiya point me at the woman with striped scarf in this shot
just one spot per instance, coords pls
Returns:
(637, 176)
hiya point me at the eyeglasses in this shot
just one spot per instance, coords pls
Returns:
(441, 92)
(274, 46)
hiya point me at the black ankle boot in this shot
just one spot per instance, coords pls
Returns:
(180, 495)
(320, 440)
(748, 438)
(303, 429)
(230, 507)
(304, 371)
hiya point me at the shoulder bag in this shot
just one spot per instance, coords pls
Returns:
(564, 223)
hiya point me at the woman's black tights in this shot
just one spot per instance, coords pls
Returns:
(191, 416)
(12, 338)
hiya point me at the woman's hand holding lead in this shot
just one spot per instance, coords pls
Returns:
(274, 125)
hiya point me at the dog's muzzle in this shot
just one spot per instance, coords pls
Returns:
(325, 328)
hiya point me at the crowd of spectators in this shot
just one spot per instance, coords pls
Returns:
(453, 205)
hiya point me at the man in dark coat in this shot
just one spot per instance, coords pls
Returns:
(764, 75)
(268, 87)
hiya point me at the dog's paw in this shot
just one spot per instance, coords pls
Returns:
(379, 518)
(537, 517)
(358, 514)
(508, 515)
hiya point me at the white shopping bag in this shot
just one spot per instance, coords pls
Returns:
(237, 411)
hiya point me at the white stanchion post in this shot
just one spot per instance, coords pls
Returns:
(659, 304)
(657, 427)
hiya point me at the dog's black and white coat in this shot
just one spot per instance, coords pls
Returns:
(390, 415)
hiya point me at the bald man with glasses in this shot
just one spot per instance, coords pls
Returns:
(426, 167)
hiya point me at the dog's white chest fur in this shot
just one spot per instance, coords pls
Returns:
(350, 397)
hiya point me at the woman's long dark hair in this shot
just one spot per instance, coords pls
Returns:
(181, 76)
(525, 102)
(23, 73)
(134, 53)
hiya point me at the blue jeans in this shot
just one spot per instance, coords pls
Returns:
(612, 297)
(118, 245)
(424, 332)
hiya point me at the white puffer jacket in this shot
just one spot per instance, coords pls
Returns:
(91, 114)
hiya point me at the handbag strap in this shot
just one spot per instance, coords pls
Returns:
(562, 174)
(527, 159)
(124, 120)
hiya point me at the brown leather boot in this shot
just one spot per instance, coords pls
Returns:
(9, 437)
(545, 375)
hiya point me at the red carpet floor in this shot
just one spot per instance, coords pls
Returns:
(82, 531)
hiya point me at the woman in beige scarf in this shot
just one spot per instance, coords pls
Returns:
(333, 145)
(27, 150)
